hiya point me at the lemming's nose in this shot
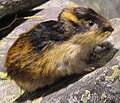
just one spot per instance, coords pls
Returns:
(109, 28)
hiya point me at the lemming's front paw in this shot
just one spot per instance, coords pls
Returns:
(89, 69)
(98, 52)
(105, 45)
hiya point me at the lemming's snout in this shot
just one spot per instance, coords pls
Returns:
(108, 28)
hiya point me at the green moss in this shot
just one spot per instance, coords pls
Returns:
(103, 97)
(118, 58)
(1, 55)
(12, 35)
(105, 69)
(116, 73)
(86, 96)
(3, 43)
(38, 100)
(3, 75)
(92, 74)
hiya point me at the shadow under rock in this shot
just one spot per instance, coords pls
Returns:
(105, 56)
(7, 20)
(62, 83)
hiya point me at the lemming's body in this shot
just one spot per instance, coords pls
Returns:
(54, 49)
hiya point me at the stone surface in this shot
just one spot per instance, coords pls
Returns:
(13, 6)
(109, 8)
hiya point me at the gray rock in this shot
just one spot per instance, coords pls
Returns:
(109, 8)
(13, 6)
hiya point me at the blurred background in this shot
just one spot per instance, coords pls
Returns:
(109, 8)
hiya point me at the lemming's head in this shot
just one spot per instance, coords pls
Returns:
(81, 20)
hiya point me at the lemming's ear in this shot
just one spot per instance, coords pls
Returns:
(67, 13)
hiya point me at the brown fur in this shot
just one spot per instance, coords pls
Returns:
(33, 69)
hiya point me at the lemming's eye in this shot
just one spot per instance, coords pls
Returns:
(91, 23)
